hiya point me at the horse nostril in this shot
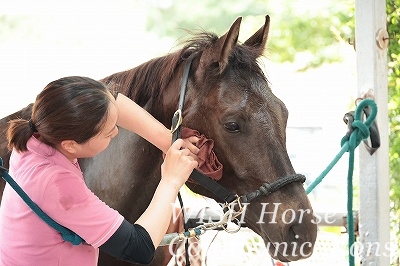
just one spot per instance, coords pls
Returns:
(302, 241)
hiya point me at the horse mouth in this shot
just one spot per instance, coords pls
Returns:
(295, 247)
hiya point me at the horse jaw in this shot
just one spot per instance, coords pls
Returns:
(288, 235)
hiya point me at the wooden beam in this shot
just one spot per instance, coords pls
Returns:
(372, 74)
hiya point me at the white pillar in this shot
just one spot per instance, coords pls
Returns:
(372, 74)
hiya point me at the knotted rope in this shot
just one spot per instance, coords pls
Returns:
(269, 188)
(349, 143)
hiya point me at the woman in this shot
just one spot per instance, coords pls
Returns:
(76, 117)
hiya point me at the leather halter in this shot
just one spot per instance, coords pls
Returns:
(208, 183)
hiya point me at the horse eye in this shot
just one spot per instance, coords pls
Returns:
(232, 126)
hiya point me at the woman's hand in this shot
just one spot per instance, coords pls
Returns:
(179, 163)
(175, 170)
(191, 145)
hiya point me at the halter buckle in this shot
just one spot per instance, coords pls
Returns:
(176, 120)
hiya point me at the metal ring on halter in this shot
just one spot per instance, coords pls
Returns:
(230, 216)
(177, 120)
(231, 205)
(232, 231)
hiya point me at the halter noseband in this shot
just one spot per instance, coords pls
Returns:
(208, 183)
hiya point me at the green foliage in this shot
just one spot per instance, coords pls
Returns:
(393, 18)
(167, 18)
(310, 30)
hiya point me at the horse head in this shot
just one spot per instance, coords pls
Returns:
(229, 100)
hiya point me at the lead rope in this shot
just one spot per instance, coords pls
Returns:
(349, 143)
(186, 228)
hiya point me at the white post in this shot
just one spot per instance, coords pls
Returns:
(372, 74)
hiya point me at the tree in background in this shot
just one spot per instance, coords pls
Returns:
(310, 29)
(393, 17)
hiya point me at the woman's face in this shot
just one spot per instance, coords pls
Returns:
(99, 142)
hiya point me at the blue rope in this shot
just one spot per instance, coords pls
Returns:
(196, 230)
(349, 144)
(66, 233)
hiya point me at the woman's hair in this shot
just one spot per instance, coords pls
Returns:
(70, 108)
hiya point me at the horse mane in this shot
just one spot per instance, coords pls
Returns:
(148, 80)
(145, 81)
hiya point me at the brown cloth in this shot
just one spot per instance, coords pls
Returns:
(208, 161)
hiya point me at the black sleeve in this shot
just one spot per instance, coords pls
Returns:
(131, 242)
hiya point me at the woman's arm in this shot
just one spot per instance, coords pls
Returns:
(134, 118)
(179, 162)
(137, 242)
(175, 170)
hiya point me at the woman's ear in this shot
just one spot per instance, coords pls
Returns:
(69, 145)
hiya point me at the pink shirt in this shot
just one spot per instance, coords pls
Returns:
(57, 186)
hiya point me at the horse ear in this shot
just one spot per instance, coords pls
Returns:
(259, 39)
(218, 54)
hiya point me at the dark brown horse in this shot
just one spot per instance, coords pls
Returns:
(229, 100)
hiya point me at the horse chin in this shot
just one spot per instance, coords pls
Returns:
(285, 242)
(292, 249)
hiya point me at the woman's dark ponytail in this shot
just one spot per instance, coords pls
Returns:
(18, 134)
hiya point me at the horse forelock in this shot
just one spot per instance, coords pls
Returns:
(241, 54)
